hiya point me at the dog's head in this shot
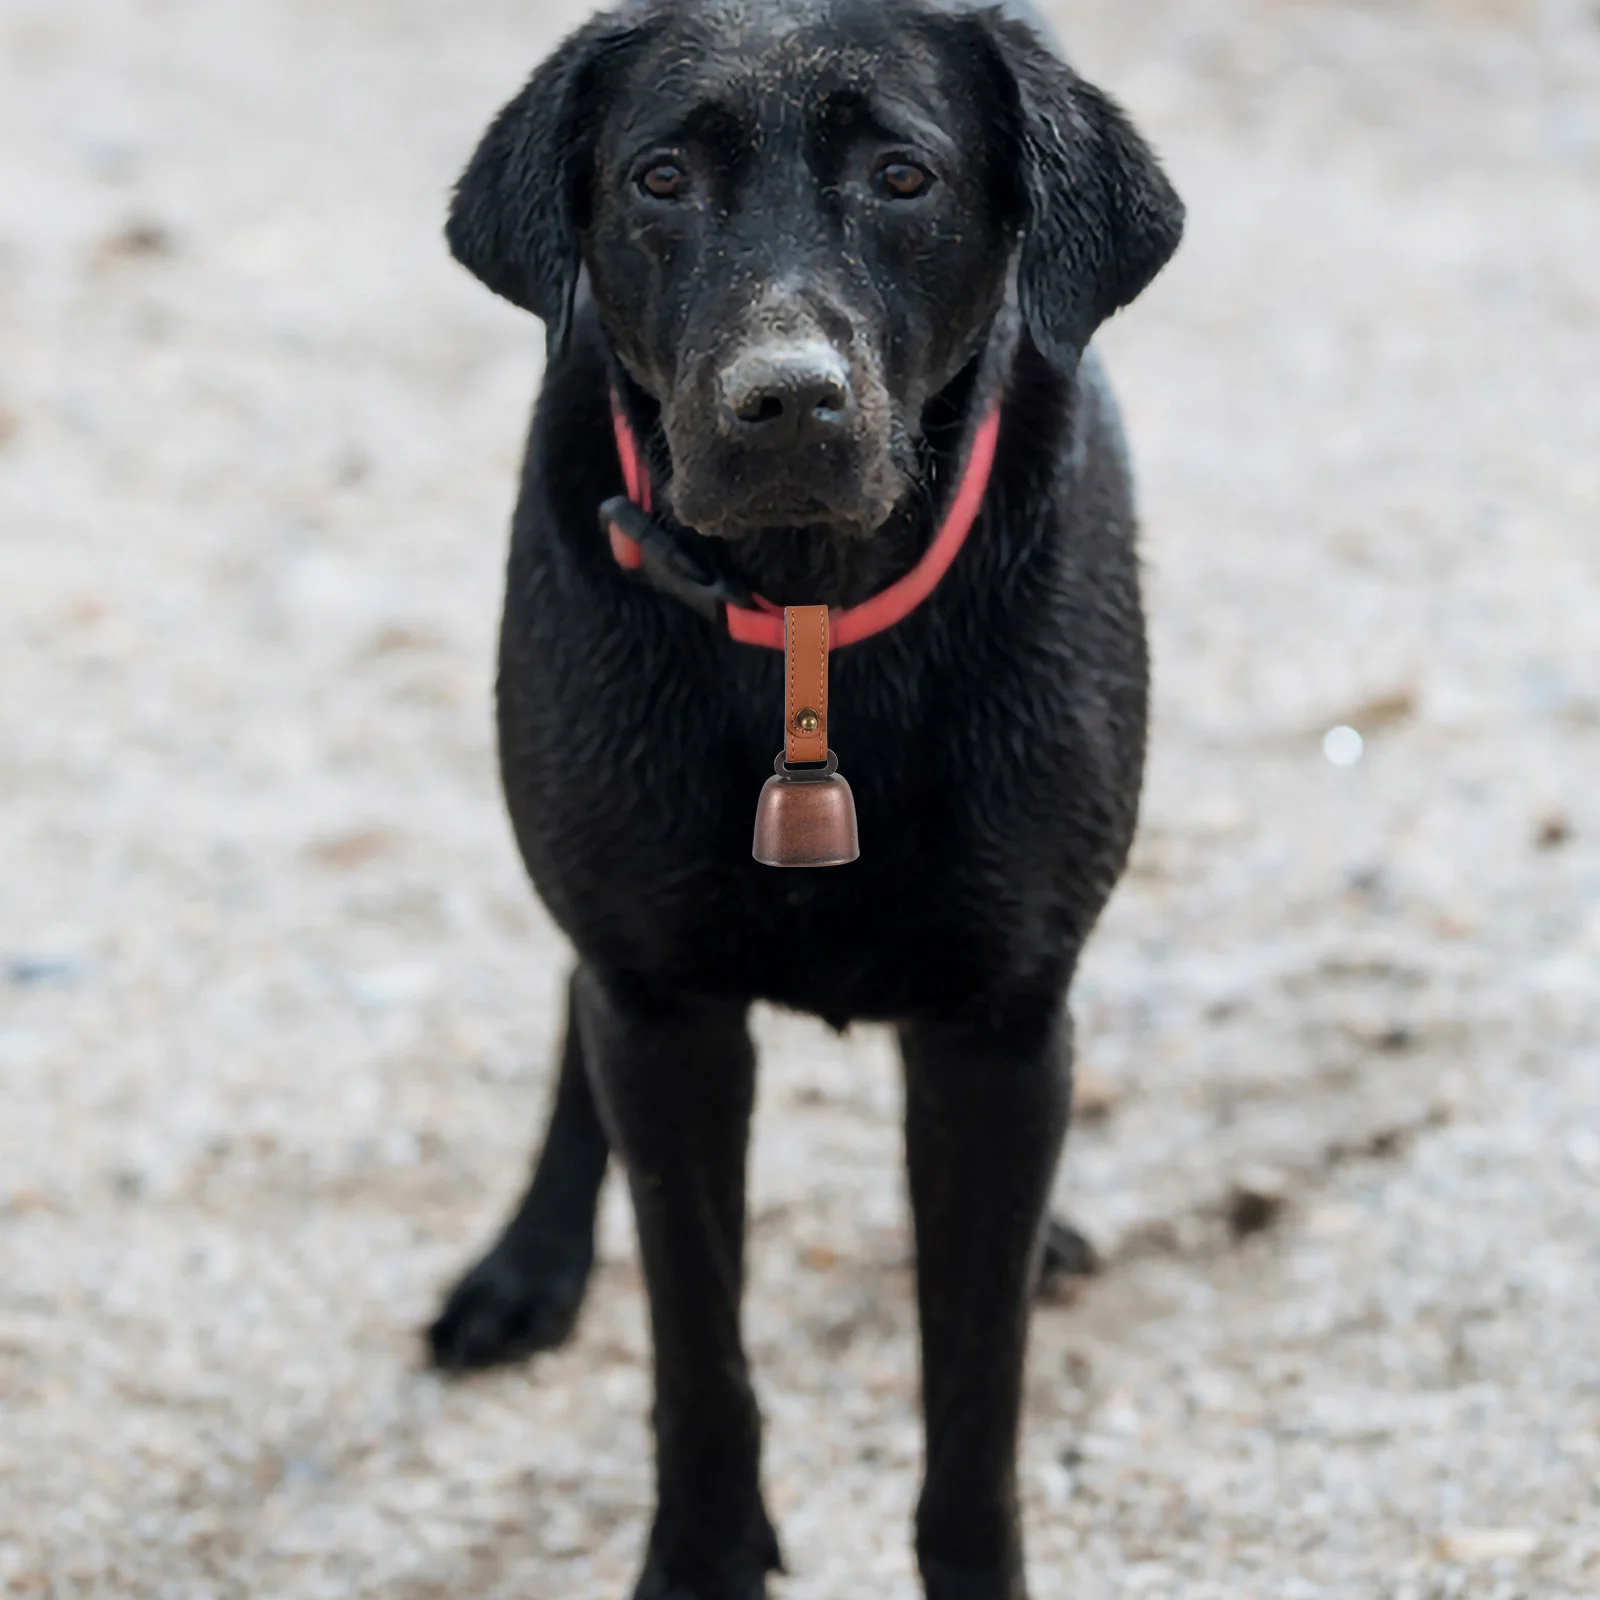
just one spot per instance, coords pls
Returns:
(800, 219)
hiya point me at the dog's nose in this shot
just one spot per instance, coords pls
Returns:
(787, 395)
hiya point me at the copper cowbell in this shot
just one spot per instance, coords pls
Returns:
(807, 815)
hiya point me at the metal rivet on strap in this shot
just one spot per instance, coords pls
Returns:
(807, 721)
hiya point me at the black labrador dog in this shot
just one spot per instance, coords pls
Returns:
(798, 251)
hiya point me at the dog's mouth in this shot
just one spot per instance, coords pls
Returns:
(809, 514)
(804, 511)
(714, 494)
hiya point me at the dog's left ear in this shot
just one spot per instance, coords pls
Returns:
(1098, 217)
(518, 208)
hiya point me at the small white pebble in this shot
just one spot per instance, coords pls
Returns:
(1343, 746)
(1583, 1149)
(1466, 1546)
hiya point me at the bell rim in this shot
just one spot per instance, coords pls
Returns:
(810, 861)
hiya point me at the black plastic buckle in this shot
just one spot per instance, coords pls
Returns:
(671, 565)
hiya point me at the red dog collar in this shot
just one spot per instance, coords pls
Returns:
(755, 620)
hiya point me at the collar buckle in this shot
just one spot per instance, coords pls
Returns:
(670, 564)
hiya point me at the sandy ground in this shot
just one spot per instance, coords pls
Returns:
(276, 1008)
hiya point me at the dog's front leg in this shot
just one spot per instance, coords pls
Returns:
(987, 1100)
(525, 1293)
(675, 1078)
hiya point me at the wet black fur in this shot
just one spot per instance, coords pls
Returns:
(994, 741)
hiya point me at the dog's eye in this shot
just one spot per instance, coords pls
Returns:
(664, 181)
(903, 180)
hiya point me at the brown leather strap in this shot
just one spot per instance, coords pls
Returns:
(805, 672)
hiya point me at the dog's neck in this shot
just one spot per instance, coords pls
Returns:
(814, 566)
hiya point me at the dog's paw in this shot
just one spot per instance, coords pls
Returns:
(651, 1588)
(655, 1585)
(744, 1578)
(941, 1582)
(1067, 1254)
(505, 1310)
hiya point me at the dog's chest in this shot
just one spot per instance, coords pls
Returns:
(634, 804)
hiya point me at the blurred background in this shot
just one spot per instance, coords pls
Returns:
(277, 1008)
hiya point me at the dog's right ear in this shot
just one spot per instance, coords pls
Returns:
(1099, 218)
(517, 210)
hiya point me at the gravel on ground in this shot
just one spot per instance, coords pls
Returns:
(277, 1010)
